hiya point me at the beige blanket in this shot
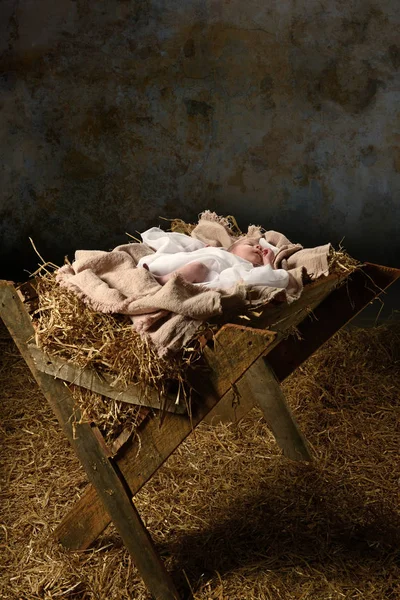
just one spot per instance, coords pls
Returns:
(170, 315)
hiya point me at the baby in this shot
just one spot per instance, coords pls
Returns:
(250, 250)
(248, 260)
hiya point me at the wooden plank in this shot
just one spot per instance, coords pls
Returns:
(260, 383)
(281, 317)
(110, 486)
(91, 380)
(28, 294)
(235, 348)
(116, 497)
(154, 444)
(127, 432)
(339, 308)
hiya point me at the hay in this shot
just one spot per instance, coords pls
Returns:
(242, 521)
(179, 226)
(67, 328)
(341, 263)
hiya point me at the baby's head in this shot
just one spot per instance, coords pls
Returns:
(249, 249)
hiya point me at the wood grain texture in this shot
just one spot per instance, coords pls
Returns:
(261, 385)
(235, 348)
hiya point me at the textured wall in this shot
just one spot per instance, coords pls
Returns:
(282, 113)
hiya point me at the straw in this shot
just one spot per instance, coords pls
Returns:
(226, 511)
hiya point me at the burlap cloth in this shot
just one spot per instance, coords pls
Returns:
(170, 315)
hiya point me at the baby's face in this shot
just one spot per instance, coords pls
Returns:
(249, 251)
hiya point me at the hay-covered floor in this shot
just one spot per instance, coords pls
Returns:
(240, 520)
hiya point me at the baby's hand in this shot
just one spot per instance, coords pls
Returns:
(268, 257)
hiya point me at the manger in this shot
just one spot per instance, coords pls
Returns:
(125, 406)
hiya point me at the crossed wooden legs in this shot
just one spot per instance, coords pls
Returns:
(153, 445)
(116, 479)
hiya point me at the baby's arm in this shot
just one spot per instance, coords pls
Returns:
(268, 257)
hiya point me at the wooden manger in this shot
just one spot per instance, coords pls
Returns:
(245, 367)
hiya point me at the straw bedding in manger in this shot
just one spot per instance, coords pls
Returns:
(241, 521)
(68, 328)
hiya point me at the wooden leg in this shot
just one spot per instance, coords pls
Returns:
(138, 461)
(112, 490)
(116, 497)
(260, 384)
(259, 387)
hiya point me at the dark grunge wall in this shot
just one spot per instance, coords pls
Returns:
(116, 112)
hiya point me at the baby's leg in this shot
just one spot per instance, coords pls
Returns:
(194, 272)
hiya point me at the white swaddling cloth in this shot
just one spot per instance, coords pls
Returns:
(173, 250)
